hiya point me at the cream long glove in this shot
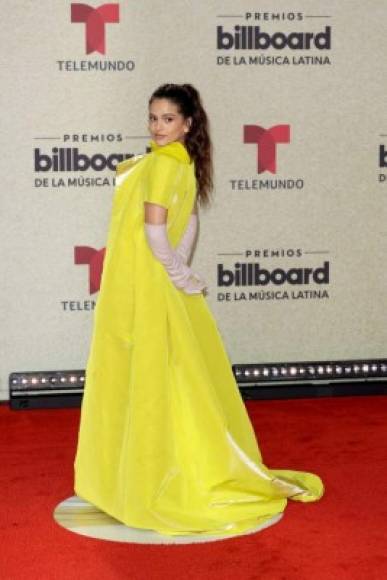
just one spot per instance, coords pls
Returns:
(184, 247)
(180, 274)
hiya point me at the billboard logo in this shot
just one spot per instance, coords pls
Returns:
(94, 259)
(70, 159)
(382, 156)
(253, 38)
(251, 274)
(266, 141)
(95, 20)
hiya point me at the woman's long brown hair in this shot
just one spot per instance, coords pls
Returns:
(197, 140)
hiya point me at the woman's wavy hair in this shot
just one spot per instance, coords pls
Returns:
(197, 140)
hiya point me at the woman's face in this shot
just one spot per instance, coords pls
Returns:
(166, 123)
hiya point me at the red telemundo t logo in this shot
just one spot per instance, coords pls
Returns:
(266, 141)
(94, 259)
(95, 20)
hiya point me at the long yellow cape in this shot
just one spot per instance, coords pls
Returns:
(165, 442)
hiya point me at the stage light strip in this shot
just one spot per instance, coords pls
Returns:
(57, 382)
(306, 372)
(39, 382)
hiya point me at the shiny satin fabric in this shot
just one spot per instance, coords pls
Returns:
(165, 442)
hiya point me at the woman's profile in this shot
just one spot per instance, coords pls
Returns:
(165, 442)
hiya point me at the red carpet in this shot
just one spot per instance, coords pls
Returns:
(343, 536)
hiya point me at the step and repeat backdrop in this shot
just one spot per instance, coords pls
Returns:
(293, 246)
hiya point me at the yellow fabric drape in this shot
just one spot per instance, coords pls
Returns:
(165, 441)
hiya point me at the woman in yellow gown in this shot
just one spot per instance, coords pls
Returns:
(165, 442)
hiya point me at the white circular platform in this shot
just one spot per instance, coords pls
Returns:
(81, 517)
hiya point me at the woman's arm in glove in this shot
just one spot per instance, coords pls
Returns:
(156, 233)
(185, 245)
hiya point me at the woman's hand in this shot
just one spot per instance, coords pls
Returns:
(194, 285)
